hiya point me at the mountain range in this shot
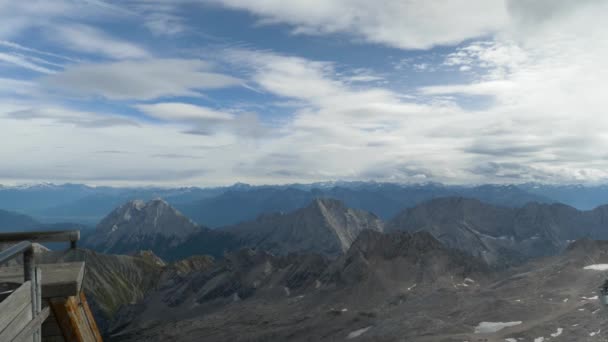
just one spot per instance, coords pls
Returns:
(499, 236)
(221, 206)
(448, 268)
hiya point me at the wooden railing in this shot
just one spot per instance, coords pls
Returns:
(71, 236)
(21, 314)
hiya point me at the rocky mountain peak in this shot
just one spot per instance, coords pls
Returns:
(325, 226)
(139, 225)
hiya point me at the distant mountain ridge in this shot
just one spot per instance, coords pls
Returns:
(220, 206)
(502, 235)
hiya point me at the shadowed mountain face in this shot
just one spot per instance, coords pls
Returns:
(325, 226)
(500, 235)
(156, 226)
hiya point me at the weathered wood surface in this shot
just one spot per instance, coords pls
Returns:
(88, 314)
(73, 321)
(15, 251)
(48, 236)
(37, 310)
(20, 319)
(14, 304)
(31, 328)
(58, 280)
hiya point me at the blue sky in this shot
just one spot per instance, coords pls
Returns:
(211, 92)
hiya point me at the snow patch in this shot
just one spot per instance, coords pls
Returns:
(595, 332)
(539, 339)
(589, 298)
(358, 333)
(412, 287)
(490, 327)
(510, 340)
(127, 215)
(558, 332)
(139, 204)
(597, 267)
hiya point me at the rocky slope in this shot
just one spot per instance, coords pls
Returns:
(395, 287)
(253, 295)
(325, 226)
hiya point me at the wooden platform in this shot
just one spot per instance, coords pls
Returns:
(44, 302)
(58, 280)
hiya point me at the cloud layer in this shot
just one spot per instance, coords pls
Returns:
(513, 95)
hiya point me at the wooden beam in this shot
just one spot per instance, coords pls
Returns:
(89, 317)
(48, 236)
(73, 320)
(32, 327)
(64, 310)
(14, 251)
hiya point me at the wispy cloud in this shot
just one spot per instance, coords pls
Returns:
(87, 39)
(140, 80)
(401, 24)
(23, 62)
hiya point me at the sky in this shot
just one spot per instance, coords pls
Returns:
(213, 92)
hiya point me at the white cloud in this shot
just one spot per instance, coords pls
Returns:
(416, 24)
(54, 115)
(183, 111)
(341, 131)
(528, 104)
(9, 86)
(23, 62)
(141, 80)
(86, 39)
(18, 16)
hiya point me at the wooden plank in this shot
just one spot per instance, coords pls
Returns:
(30, 329)
(92, 324)
(14, 304)
(46, 236)
(38, 303)
(20, 320)
(58, 280)
(65, 312)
